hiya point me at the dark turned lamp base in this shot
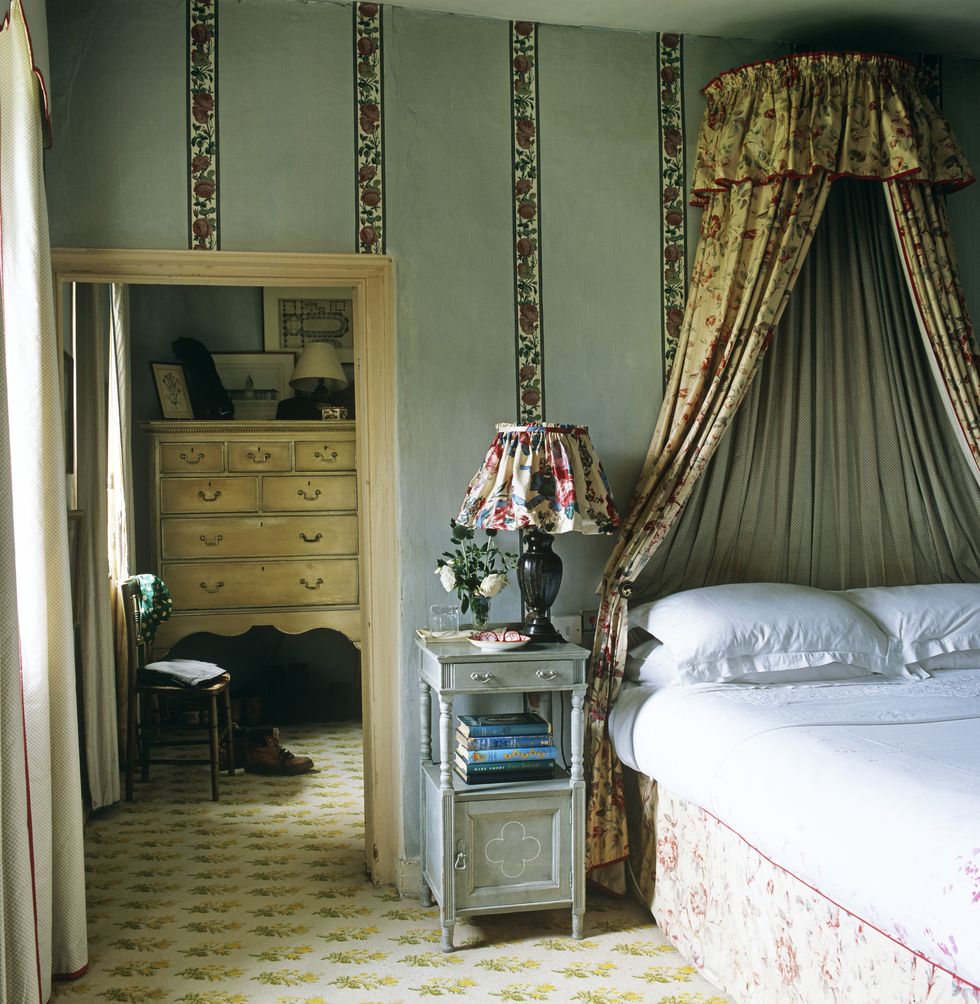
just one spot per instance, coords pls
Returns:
(539, 576)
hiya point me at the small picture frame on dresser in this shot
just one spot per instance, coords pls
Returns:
(170, 381)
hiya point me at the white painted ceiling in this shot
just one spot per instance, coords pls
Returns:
(934, 26)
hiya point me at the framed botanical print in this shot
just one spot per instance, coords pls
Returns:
(294, 316)
(171, 384)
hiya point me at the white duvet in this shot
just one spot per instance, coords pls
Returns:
(867, 791)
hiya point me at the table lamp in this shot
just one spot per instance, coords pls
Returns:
(318, 371)
(546, 479)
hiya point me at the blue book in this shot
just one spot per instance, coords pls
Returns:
(521, 723)
(502, 742)
(521, 755)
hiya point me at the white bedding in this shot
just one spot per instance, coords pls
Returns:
(868, 791)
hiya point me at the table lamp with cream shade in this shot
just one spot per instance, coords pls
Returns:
(543, 478)
(318, 371)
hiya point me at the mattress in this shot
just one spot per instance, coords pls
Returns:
(869, 791)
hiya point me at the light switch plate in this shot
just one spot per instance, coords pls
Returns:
(570, 628)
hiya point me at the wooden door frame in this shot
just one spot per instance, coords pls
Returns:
(371, 277)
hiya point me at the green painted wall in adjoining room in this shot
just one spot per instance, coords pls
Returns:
(600, 221)
(285, 95)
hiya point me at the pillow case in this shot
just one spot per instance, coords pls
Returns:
(969, 658)
(722, 632)
(649, 663)
(923, 621)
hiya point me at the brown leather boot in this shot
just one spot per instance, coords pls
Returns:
(269, 757)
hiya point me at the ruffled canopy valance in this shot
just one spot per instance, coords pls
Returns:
(854, 114)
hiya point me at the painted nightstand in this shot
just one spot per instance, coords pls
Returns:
(497, 848)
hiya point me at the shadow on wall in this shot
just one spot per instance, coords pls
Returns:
(284, 679)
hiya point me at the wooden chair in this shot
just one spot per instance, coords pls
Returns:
(141, 694)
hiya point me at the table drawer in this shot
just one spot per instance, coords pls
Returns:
(325, 454)
(195, 458)
(247, 536)
(315, 493)
(223, 584)
(209, 494)
(258, 457)
(529, 675)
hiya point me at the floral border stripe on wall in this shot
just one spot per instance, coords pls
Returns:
(368, 97)
(673, 188)
(527, 221)
(202, 125)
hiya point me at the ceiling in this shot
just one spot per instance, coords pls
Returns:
(949, 27)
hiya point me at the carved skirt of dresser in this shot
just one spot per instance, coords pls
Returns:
(256, 523)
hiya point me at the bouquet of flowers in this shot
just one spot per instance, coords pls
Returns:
(475, 571)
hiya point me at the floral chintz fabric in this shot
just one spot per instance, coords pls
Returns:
(156, 605)
(542, 475)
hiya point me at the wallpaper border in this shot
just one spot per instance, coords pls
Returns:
(203, 229)
(369, 184)
(673, 190)
(529, 316)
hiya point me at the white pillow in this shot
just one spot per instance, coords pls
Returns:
(969, 658)
(923, 621)
(723, 632)
(649, 663)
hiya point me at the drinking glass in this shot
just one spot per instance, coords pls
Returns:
(443, 620)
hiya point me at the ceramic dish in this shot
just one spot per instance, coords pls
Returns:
(498, 641)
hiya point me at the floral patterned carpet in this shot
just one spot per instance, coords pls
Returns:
(261, 899)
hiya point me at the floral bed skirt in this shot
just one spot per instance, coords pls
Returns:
(755, 930)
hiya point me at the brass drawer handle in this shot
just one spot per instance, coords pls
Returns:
(481, 677)
(211, 543)
(316, 585)
(198, 457)
(309, 498)
(323, 455)
(310, 540)
(258, 458)
(212, 589)
(546, 674)
(203, 495)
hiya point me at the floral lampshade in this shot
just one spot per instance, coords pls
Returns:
(542, 476)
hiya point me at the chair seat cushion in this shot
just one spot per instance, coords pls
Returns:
(180, 673)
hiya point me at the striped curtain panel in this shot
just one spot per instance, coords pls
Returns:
(42, 873)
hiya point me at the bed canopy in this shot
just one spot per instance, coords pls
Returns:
(774, 139)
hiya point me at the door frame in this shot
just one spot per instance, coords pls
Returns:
(371, 277)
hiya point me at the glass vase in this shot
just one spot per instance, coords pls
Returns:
(480, 609)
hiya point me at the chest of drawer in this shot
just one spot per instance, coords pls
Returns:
(525, 675)
(325, 454)
(258, 457)
(314, 493)
(192, 458)
(215, 585)
(246, 536)
(201, 495)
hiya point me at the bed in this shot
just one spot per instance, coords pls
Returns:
(803, 788)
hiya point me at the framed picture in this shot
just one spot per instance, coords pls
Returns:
(171, 385)
(295, 316)
(256, 381)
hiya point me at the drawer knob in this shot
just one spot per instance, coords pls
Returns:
(310, 540)
(212, 589)
(197, 458)
(327, 455)
(213, 497)
(546, 674)
(313, 585)
(481, 677)
(211, 543)
(258, 458)
(309, 498)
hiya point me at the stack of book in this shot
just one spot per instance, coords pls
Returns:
(498, 749)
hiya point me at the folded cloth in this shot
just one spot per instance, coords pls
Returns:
(180, 672)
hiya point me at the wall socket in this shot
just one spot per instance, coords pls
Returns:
(570, 627)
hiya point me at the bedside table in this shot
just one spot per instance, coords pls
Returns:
(497, 848)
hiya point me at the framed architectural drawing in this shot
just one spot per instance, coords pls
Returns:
(295, 316)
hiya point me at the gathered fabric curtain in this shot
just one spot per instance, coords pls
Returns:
(42, 868)
(773, 138)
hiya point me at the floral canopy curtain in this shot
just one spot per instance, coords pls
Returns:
(773, 138)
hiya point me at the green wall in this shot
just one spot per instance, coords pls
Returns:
(117, 178)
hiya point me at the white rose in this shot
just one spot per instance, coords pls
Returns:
(492, 584)
(447, 577)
